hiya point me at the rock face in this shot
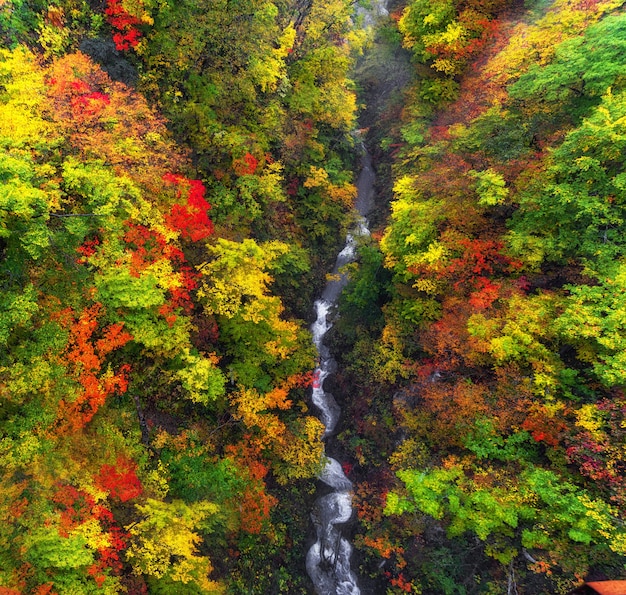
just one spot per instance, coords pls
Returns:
(103, 52)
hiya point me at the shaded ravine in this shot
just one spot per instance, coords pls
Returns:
(328, 559)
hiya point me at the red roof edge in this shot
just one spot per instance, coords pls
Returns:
(608, 587)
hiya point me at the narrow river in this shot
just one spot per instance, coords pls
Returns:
(328, 559)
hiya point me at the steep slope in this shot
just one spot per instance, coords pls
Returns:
(488, 439)
(153, 373)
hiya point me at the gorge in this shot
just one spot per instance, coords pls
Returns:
(208, 388)
(328, 559)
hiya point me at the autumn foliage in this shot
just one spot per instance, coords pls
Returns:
(153, 371)
(191, 218)
(161, 244)
(500, 332)
(120, 480)
(76, 508)
(127, 34)
(256, 504)
(84, 358)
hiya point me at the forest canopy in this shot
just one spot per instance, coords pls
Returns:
(176, 179)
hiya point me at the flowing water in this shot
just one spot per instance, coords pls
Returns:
(383, 72)
(328, 559)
